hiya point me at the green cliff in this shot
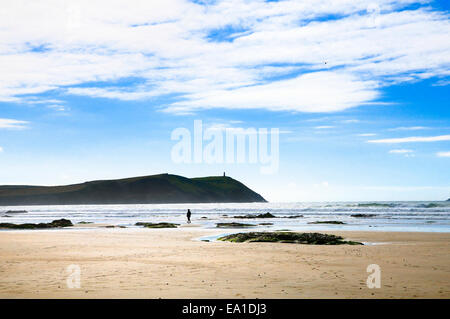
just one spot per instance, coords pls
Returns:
(163, 188)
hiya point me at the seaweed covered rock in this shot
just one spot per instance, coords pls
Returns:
(294, 216)
(266, 215)
(233, 225)
(16, 212)
(288, 237)
(157, 225)
(430, 205)
(327, 222)
(363, 215)
(54, 224)
(61, 223)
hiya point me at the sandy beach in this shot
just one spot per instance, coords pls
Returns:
(173, 263)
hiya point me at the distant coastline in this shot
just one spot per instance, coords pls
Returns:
(153, 189)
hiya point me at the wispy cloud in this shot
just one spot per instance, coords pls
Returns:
(412, 139)
(404, 152)
(323, 127)
(443, 154)
(13, 124)
(367, 134)
(1, 149)
(442, 83)
(405, 188)
(57, 107)
(408, 128)
(400, 151)
(239, 54)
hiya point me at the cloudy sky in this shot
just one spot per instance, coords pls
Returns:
(359, 90)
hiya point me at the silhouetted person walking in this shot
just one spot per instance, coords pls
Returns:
(188, 215)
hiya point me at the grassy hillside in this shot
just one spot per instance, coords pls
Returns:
(163, 188)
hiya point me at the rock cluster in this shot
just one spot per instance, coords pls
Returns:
(56, 223)
(233, 225)
(266, 215)
(363, 215)
(327, 222)
(157, 225)
(288, 237)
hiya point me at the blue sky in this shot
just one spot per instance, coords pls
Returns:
(359, 89)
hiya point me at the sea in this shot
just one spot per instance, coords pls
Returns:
(408, 216)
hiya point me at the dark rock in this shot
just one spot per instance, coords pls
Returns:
(294, 216)
(204, 217)
(54, 224)
(61, 223)
(363, 215)
(84, 223)
(430, 205)
(328, 222)
(233, 225)
(265, 224)
(288, 237)
(157, 225)
(266, 215)
(16, 212)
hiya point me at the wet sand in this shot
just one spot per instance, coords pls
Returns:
(171, 263)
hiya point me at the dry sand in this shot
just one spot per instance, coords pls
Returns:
(170, 263)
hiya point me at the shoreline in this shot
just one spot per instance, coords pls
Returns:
(171, 263)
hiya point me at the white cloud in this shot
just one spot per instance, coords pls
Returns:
(401, 151)
(404, 152)
(367, 134)
(412, 139)
(350, 121)
(408, 128)
(323, 127)
(1, 149)
(304, 94)
(57, 45)
(12, 124)
(443, 154)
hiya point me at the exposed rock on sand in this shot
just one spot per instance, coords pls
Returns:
(288, 237)
(157, 225)
(363, 215)
(327, 222)
(56, 223)
(266, 215)
(233, 225)
(16, 212)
